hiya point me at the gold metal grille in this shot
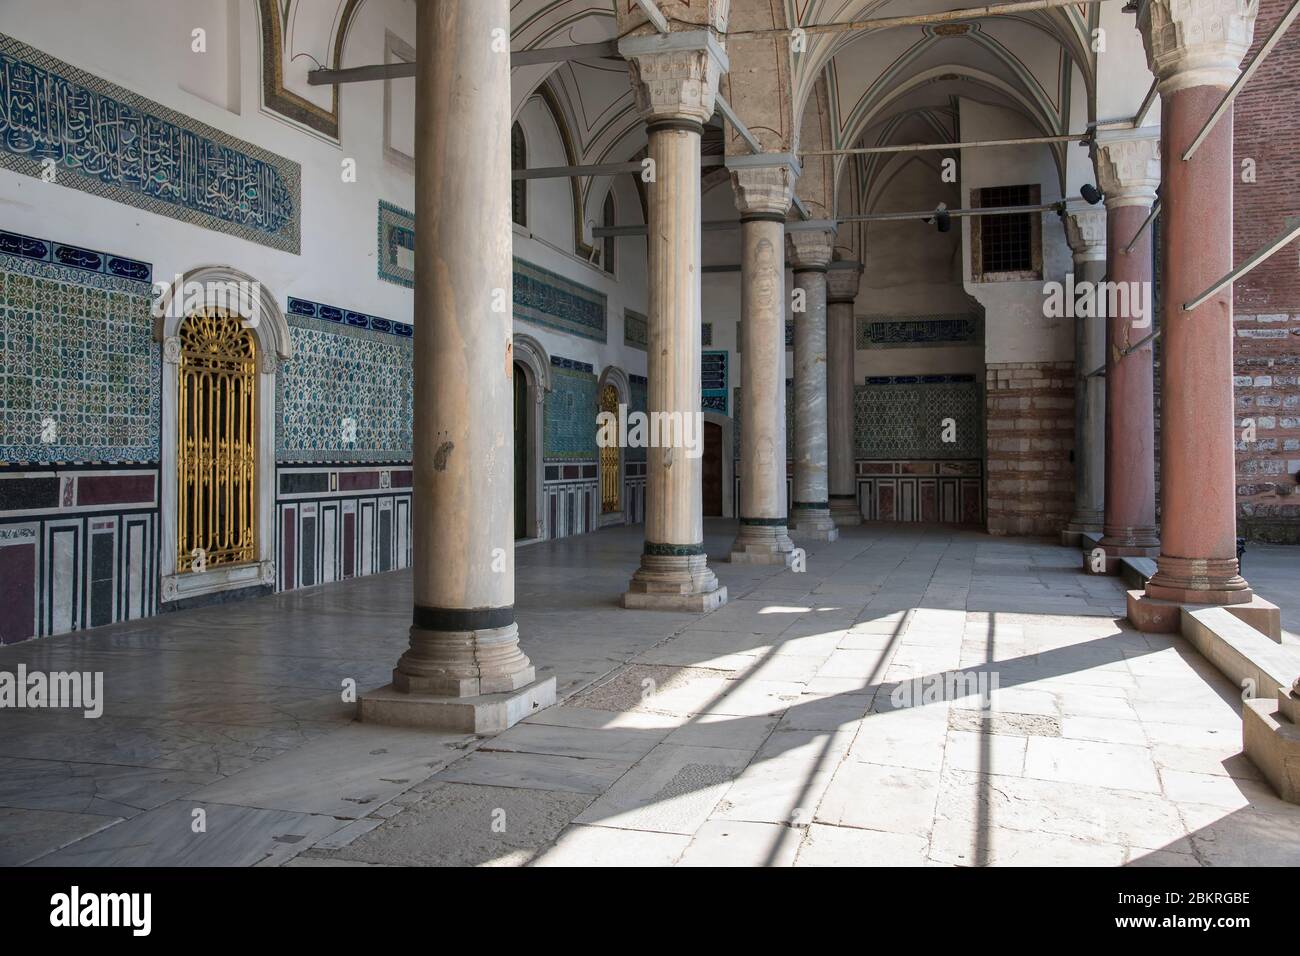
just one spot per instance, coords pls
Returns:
(217, 449)
(610, 492)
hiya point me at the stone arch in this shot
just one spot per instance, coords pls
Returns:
(531, 358)
(212, 286)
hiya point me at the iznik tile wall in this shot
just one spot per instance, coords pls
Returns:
(713, 382)
(346, 394)
(105, 140)
(79, 390)
(570, 412)
(903, 416)
(79, 369)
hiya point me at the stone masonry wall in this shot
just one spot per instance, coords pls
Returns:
(1030, 418)
(1267, 302)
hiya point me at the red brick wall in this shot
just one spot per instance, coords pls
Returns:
(1030, 428)
(1267, 302)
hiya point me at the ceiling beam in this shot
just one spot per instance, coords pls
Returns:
(607, 49)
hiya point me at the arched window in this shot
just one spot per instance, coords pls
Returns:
(518, 187)
(607, 251)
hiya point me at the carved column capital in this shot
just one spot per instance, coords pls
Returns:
(1085, 231)
(809, 249)
(1196, 42)
(763, 190)
(675, 76)
(842, 281)
(1128, 167)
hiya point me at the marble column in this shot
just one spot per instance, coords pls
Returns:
(464, 669)
(809, 251)
(1085, 230)
(763, 197)
(1195, 51)
(1128, 172)
(675, 79)
(842, 282)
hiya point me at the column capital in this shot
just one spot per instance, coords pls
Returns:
(675, 75)
(1196, 42)
(842, 280)
(1128, 167)
(1085, 231)
(763, 192)
(809, 250)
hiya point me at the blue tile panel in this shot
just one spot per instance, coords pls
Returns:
(80, 372)
(102, 139)
(713, 382)
(396, 245)
(570, 412)
(902, 416)
(345, 365)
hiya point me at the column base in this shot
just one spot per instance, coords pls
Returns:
(761, 543)
(1081, 523)
(480, 714)
(845, 511)
(1272, 742)
(1108, 562)
(814, 523)
(674, 582)
(462, 663)
(1158, 616)
(1199, 581)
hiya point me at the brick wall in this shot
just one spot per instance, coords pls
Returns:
(1267, 302)
(1030, 418)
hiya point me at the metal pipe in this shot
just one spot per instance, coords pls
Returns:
(1151, 217)
(925, 147)
(969, 13)
(397, 71)
(1125, 353)
(656, 16)
(730, 116)
(1258, 258)
(596, 169)
(1222, 109)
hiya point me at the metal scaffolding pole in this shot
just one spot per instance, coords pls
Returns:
(1257, 259)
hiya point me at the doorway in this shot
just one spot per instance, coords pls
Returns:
(711, 466)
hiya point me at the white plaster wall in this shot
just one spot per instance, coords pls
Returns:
(1015, 329)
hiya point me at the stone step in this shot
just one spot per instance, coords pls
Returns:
(1136, 572)
(1241, 652)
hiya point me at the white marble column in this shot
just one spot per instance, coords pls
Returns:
(809, 251)
(763, 197)
(464, 669)
(842, 283)
(1085, 230)
(675, 78)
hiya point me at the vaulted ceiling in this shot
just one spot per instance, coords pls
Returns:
(883, 87)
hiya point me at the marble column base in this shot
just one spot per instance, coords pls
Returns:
(1271, 738)
(845, 511)
(463, 663)
(481, 714)
(1081, 522)
(674, 582)
(762, 544)
(814, 523)
(1158, 616)
(1198, 581)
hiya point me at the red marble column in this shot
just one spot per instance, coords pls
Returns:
(1195, 53)
(1128, 171)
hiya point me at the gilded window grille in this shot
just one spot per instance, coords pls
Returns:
(611, 497)
(216, 465)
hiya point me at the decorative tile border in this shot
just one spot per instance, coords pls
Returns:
(396, 245)
(78, 362)
(880, 332)
(332, 315)
(75, 257)
(636, 330)
(107, 141)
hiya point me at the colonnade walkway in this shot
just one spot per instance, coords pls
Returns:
(826, 717)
